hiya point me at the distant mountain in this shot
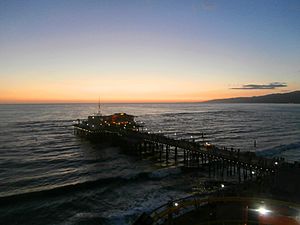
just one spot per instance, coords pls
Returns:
(291, 97)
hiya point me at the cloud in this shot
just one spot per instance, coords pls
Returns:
(208, 5)
(204, 5)
(273, 85)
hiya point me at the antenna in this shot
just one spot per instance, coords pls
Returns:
(99, 107)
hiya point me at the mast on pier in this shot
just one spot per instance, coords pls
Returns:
(99, 107)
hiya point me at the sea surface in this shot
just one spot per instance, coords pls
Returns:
(50, 176)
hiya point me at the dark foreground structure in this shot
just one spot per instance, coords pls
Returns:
(223, 210)
(256, 176)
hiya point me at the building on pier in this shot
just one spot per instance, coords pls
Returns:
(116, 120)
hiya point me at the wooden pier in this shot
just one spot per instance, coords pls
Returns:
(255, 175)
(185, 153)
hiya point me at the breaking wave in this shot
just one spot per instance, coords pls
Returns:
(277, 150)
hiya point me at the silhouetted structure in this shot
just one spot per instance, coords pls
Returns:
(251, 170)
(291, 97)
(121, 129)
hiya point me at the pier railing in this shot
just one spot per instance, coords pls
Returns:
(216, 161)
(187, 153)
(244, 210)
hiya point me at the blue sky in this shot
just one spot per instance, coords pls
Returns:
(147, 50)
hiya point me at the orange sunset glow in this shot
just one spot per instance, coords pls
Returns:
(141, 53)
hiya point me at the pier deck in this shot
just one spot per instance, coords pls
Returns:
(186, 153)
(282, 178)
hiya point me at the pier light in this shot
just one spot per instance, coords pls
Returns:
(176, 204)
(263, 211)
(207, 144)
(222, 185)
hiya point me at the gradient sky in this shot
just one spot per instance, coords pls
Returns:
(146, 50)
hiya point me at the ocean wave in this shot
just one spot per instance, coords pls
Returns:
(60, 190)
(277, 150)
(39, 122)
(165, 172)
(147, 203)
(90, 184)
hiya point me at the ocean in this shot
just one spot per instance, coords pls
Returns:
(50, 176)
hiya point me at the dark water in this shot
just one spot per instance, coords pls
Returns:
(53, 177)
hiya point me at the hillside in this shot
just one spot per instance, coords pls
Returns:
(291, 97)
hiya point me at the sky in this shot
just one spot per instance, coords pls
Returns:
(147, 50)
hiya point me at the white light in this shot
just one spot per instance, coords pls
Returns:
(191, 136)
(253, 172)
(222, 185)
(175, 134)
(276, 163)
(176, 204)
(262, 210)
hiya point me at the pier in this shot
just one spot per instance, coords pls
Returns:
(252, 172)
(182, 152)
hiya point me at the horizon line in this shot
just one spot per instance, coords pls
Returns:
(36, 102)
(94, 102)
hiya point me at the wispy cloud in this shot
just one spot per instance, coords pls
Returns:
(204, 5)
(273, 85)
(208, 5)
